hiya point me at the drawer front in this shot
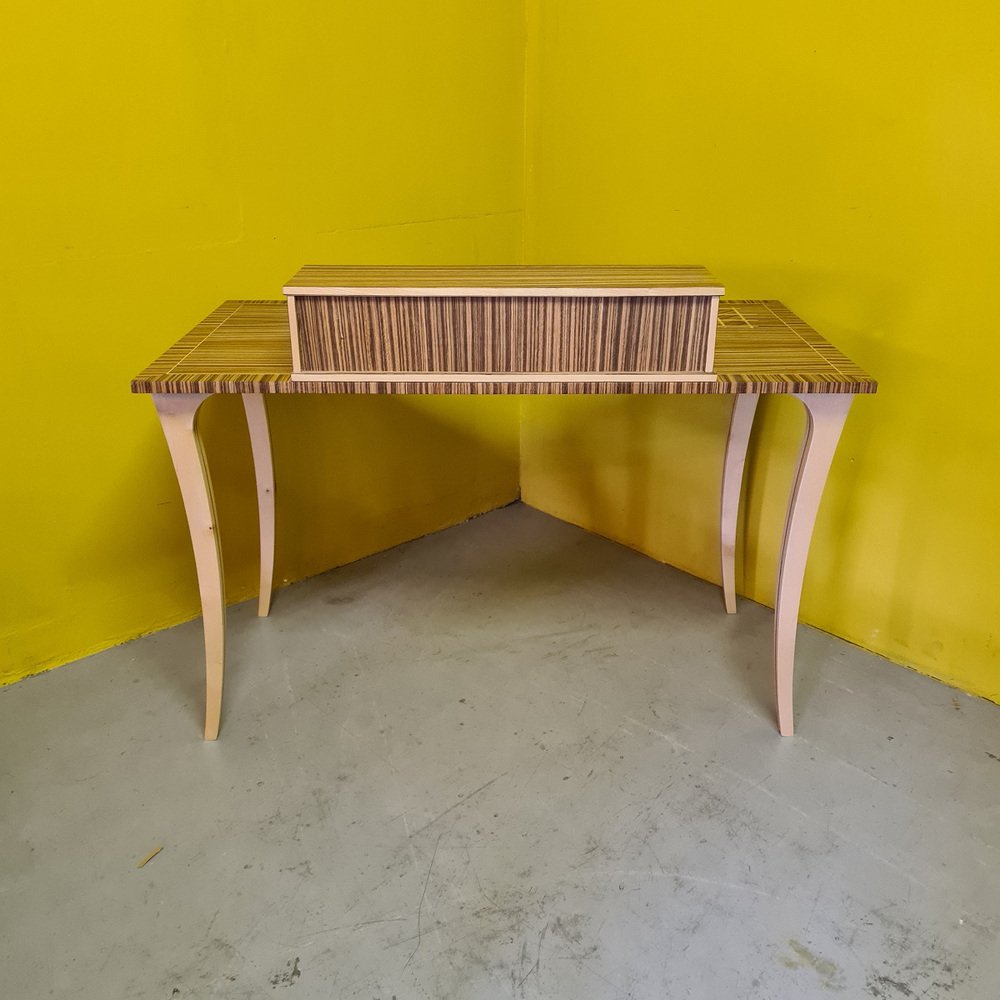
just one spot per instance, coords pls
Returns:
(372, 334)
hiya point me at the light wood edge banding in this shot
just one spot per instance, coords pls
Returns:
(293, 327)
(713, 323)
(504, 293)
(447, 378)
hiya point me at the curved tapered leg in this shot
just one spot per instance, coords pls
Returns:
(178, 418)
(825, 420)
(744, 408)
(260, 443)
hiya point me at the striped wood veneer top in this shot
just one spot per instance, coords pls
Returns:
(761, 347)
(504, 281)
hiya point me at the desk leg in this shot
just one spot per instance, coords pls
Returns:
(744, 408)
(178, 417)
(260, 443)
(825, 415)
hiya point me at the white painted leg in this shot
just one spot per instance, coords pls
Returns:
(744, 408)
(825, 414)
(260, 443)
(178, 417)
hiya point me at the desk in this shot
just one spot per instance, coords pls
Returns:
(761, 348)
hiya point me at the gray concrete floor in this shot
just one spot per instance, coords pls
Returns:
(509, 760)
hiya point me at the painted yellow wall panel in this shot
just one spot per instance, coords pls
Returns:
(162, 157)
(842, 158)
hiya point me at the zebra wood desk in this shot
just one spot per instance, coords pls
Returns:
(761, 347)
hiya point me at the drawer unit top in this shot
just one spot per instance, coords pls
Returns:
(513, 281)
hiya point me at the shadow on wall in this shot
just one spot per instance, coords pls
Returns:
(358, 474)
(643, 470)
(353, 476)
(647, 472)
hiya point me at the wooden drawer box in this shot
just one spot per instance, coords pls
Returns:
(509, 324)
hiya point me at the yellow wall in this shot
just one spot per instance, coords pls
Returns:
(843, 158)
(160, 157)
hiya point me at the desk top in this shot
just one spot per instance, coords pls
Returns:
(761, 347)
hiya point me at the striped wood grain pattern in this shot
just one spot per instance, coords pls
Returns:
(503, 335)
(761, 347)
(517, 280)
(440, 378)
